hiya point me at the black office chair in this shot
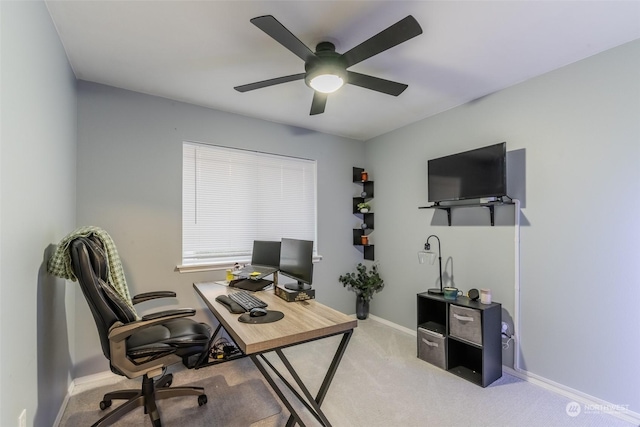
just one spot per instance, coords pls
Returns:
(136, 348)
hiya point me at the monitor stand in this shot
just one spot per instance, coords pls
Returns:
(297, 286)
(292, 292)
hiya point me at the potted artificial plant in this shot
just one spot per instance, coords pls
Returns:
(364, 207)
(364, 283)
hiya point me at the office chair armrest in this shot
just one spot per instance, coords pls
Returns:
(120, 331)
(146, 296)
(185, 311)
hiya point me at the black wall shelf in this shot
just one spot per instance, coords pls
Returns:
(367, 218)
(489, 205)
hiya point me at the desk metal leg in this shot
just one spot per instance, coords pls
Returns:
(333, 367)
(309, 403)
(275, 388)
(313, 405)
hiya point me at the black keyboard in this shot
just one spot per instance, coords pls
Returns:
(247, 300)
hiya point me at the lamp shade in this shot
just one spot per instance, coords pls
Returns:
(428, 254)
(424, 256)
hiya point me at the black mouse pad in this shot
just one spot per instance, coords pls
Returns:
(271, 316)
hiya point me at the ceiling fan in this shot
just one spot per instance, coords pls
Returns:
(326, 70)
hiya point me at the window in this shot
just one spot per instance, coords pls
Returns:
(231, 197)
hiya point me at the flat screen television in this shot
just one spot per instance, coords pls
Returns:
(296, 262)
(474, 174)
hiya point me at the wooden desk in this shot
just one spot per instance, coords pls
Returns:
(303, 321)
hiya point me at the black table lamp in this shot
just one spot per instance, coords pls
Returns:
(427, 253)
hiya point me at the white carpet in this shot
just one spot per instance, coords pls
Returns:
(380, 382)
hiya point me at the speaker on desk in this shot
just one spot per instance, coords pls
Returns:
(473, 294)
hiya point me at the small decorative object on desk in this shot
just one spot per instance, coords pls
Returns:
(364, 176)
(451, 293)
(364, 207)
(485, 296)
(364, 283)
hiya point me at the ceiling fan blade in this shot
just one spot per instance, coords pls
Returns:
(376, 83)
(399, 32)
(318, 103)
(279, 33)
(270, 82)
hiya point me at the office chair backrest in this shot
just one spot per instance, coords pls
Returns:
(89, 264)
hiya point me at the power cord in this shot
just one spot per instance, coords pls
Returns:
(223, 349)
(505, 345)
(505, 334)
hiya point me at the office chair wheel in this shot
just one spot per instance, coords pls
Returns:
(105, 404)
(202, 399)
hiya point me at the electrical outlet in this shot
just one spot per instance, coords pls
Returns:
(22, 419)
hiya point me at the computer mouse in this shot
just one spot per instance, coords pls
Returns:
(257, 312)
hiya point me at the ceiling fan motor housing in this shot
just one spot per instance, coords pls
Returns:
(325, 61)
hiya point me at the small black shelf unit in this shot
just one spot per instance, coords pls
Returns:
(469, 334)
(489, 205)
(367, 218)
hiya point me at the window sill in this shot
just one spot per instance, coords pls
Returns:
(202, 267)
(197, 268)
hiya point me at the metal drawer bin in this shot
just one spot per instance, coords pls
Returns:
(465, 323)
(431, 348)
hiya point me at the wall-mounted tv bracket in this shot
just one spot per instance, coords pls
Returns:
(489, 205)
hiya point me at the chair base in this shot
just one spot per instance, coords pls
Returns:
(147, 397)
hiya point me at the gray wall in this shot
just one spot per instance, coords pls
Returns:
(38, 171)
(578, 131)
(130, 183)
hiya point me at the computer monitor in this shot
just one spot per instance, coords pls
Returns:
(296, 262)
(266, 253)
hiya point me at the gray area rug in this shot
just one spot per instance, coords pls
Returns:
(237, 405)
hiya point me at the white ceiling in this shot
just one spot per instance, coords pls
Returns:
(197, 51)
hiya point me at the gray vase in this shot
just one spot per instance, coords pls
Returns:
(362, 307)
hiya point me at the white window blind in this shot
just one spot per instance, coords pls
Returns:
(231, 197)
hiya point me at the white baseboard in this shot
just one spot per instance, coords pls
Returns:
(394, 325)
(63, 407)
(92, 381)
(83, 384)
(615, 410)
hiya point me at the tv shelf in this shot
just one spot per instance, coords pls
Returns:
(367, 218)
(489, 205)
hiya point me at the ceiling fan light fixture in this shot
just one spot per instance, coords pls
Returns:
(326, 83)
(326, 73)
